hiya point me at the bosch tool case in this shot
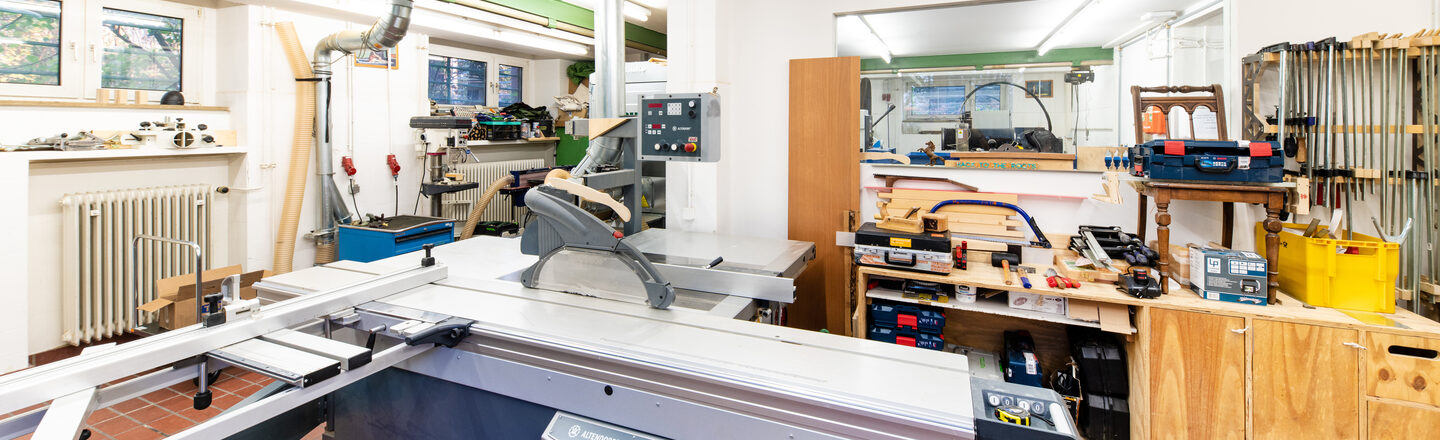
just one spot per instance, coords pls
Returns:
(925, 252)
(909, 316)
(907, 338)
(1227, 161)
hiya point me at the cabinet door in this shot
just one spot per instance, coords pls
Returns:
(1197, 376)
(1396, 421)
(1306, 381)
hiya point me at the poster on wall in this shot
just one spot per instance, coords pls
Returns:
(1040, 88)
(380, 59)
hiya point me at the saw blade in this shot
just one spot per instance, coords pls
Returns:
(594, 273)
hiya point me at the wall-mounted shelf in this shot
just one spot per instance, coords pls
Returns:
(134, 153)
(530, 141)
(86, 104)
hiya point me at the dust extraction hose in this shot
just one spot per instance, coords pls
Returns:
(480, 205)
(300, 146)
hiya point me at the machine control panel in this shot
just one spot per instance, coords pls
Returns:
(680, 127)
(1013, 411)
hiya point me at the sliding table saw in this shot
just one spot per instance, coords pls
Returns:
(454, 346)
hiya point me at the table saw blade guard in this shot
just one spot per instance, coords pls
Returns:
(581, 254)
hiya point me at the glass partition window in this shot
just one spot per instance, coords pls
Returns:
(30, 42)
(942, 101)
(142, 51)
(457, 81)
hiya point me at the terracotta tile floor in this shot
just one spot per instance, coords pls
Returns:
(170, 410)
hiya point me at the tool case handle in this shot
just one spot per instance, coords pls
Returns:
(895, 262)
(1208, 165)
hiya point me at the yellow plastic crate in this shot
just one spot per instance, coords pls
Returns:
(1313, 271)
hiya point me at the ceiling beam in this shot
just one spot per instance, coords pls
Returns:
(560, 11)
(1074, 56)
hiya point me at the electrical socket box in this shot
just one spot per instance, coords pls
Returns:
(680, 127)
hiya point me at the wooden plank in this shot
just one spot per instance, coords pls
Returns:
(957, 217)
(1137, 355)
(964, 209)
(1012, 164)
(992, 230)
(1197, 374)
(984, 155)
(1398, 421)
(87, 104)
(1304, 381)
(1402, 376)
(822, 185)
(940, 196)
(1093, 158)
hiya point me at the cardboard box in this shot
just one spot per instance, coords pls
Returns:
(1037, 302)
(1227, 275)
(175, 296)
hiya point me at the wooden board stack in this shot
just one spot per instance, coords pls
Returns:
(988, 221)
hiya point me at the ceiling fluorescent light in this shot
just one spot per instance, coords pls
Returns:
(884, 50)
(1148, 21)
(1050, 40)
(471, 28)
(540, 42)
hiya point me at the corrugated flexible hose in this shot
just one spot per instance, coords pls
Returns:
(480, 205)
(300, 147)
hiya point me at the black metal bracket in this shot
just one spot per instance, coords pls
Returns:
(447, 333)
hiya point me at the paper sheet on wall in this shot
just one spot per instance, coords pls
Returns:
(1206, 126)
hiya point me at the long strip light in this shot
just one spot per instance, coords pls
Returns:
(1050, 40)
(884, 49)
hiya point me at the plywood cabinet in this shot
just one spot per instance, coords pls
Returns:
(1197, 375)
(1305, 380)
(1402, 421)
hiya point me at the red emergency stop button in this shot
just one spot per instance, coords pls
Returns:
(691, 147)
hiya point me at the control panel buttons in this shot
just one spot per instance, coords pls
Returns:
(674, 147)
(691, 147)
(657, 147)
(692, 103)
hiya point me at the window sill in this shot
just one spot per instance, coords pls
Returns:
(85, 104)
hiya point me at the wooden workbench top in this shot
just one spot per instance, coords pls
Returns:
(1289, 309)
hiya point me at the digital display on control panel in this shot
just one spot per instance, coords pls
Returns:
(682, 127)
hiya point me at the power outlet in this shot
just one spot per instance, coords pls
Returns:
(354, 187)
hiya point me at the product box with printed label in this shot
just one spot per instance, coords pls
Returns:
(1226, 275)
(1036, 302)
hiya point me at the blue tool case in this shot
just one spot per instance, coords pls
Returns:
(907, 316)
(907, 338)
(1227, 161)
(396, 236)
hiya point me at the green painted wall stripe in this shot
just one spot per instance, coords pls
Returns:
(560, 11)
(1075, 55)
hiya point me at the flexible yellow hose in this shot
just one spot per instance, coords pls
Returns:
(299, 149)
(480, 205)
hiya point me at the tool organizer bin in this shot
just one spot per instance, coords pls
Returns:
(1312, 271)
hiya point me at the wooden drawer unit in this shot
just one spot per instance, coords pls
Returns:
(1394, 421)
(1403, 368)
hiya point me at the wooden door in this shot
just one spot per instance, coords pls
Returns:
(824, 184)
(1401, 421)
(1306, 381)
(1197, 376)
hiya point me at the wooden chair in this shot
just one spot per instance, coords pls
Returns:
(1215, 102)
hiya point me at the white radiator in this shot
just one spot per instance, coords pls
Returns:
(457, 205)
(97, 230)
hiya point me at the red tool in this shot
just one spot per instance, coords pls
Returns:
(394, 165)
(1056, 281)
(962, 255)
(348, 165)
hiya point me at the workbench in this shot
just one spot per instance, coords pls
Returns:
(1208, 369)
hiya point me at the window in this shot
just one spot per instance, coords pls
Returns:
(989, 98)
(30, 42)
(457, 81)
(511, 85)
(68, 49)
(1041, 88)
(142, 51)
(459, 76)
(936, 100)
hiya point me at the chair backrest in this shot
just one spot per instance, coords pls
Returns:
(1215, 102)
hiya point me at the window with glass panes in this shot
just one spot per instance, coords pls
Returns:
(142, 51)
(30, 42)
(457, 81)
(511, 87)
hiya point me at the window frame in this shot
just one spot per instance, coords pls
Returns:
(968, 81)
(81, 50)
(192, 27)
(72, 27)
(492, 70)
(450, 69)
